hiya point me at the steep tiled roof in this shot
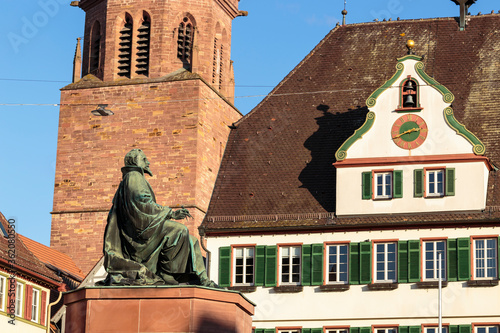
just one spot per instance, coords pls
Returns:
(277, 168)
(53, 257)
(26, 264)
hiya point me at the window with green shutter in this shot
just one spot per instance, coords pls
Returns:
(260, 265)
(354, 264)
(418, 183)
(306, 265)
(403, 263)
(366, 185)
(398, 184)
(271, 266)
(225, 266)
(452, 262)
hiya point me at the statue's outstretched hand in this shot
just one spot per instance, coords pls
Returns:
(181, 214)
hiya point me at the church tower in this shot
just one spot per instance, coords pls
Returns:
(157, 75)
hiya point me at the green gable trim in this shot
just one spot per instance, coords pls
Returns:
(372, 100)
(447, 95)
(410, 56)
(341, 153)
(479, 148)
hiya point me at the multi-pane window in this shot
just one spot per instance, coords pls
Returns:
(386, 330)
(431, 260)
(337, 263)
(19, 299)
(34, 305)
(383, 185)
(436, 329)
(289, 331)
(3, 288)
(244, 264)
(336, 330)
(290, 264)
(486, 329)
(385, 263)
(485, 258)
(435, 183)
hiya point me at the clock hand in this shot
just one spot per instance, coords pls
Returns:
(406, 132)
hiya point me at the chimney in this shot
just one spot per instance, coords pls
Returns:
(464, 9)
(77, 62)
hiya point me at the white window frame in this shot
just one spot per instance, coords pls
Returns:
(381, 181)
(35, 305)
(289, 331)
(385, 330)
(435, 184)
(433, 261)
(434, 329)
(245, 265)
(383, 258)
(19, 299)
(291, 256)
(335, 260)
(3, 292)
(487, 329)
(336, 330)
(482, 262)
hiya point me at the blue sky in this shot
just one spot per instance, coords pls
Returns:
(37, 47)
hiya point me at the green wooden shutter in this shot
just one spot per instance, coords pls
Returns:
(317, 265)
(353, 329)
(414, 261)
(270, 330)
(306, 265)
(225, 266)
(260, 265)
(464, 328)
(354, 264)
(463, 254)
(403, 263)
(404, 329)
(366, 185)
(365, 262)
(450, 181)
(259, 330)
(452, 261)
(365, 330)
(415, 329)
(398, 184)
(271, 266)
(305, 330)
(453, 329)
(316, 330)
(418, 183)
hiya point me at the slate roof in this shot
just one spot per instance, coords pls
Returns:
(277, 169)
(26, 264)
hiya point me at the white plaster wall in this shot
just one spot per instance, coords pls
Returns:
(358, 307)
(441, 138)
(471, 181)
(19, 327)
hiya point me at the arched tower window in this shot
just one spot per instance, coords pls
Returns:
(95, 47)
(409, 94)
(143, 42)
(185, 39)
(125, 48)
(215, 64)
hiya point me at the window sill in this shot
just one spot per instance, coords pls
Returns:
(431, 284)
(402, 110)
(288, 289)
(243, 289)
(334, 287)
(482, 283)
(383, 286)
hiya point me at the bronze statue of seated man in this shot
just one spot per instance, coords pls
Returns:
(142, 243)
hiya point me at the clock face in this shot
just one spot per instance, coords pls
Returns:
(409, 131)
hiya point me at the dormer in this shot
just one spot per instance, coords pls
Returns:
(411, 155)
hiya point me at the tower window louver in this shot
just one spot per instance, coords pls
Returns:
(221, 66)
(215, 68)
(125, 49)
(95, 47)
(185, 42)
(143, 42)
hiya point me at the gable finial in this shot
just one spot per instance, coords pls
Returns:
(410, 44)
(464, 9)
(344, 12)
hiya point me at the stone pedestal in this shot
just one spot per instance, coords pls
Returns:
(157, 309)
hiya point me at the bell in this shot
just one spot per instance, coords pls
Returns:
(409, 102)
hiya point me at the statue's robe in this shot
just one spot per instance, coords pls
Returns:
(142, 245)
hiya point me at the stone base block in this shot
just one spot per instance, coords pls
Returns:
(157, 309)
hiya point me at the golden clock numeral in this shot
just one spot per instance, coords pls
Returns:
(409, 145)
(422, 137)
(409, 117)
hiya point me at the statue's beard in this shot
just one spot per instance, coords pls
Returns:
(148, 171)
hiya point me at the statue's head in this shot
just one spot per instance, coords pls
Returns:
(136, 157)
